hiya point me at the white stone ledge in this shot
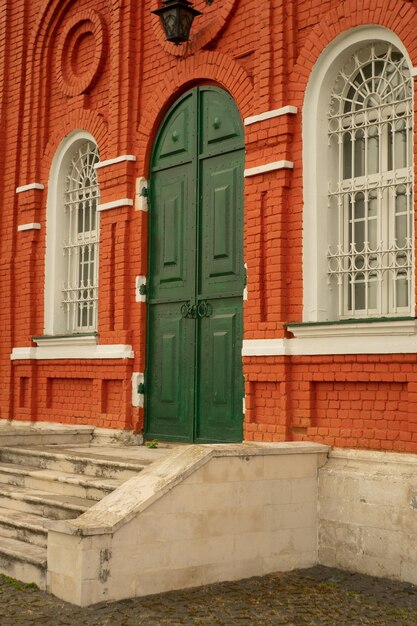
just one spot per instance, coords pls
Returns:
(115, 204)
(264, 347)
(119, 159)
(30, 226)
(74, 351)
(267, 115)
(57, 341)
(269, 167)
(139, 492)
(355, 329)
(352, 457)
(29, 187)
(373, 342)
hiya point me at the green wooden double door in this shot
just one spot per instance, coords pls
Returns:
(194, 384)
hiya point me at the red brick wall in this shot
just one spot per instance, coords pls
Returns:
(346, 401)
(117, 84)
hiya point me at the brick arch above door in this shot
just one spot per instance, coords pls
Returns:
(207, 67)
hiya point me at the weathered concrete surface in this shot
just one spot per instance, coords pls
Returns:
(368, 513)
(15, 432)
(58, 478)
(315, 597)
(202, 514)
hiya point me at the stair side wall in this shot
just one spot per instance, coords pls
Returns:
(368, 513)
(232, 518)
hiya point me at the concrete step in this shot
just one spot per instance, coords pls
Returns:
(44, 503)
(23, 561)
(23, 526)
(85, 463)
(53, 481)
(15, 436)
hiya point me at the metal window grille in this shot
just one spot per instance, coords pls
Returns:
(370, 131)
(81, 239)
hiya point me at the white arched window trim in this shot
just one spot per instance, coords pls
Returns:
(55, 319)
(318, 305)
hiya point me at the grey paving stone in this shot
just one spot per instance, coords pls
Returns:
(318, 596)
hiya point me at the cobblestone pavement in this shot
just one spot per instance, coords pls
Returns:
(318, 596)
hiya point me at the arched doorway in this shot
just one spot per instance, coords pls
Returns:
(196, 275)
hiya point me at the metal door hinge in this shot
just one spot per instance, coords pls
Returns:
(140, 289)
(141, 388)
(142, 194)
(138, 379)
(245, 277)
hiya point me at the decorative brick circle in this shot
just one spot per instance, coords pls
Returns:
(205, 29)
(82, 52)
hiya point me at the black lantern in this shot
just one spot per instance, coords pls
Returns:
(177, 17)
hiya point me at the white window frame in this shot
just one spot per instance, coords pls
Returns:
(80, 291)
(320, 303)
(55, 264)
(379, 260)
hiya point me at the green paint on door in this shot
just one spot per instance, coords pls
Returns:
(194, 377)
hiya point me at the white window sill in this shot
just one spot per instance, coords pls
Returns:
(71, 347)
(371, 337)
(53, 341)
(362, 328)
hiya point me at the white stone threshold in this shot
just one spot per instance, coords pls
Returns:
(21, 431)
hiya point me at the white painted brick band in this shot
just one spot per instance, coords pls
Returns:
(30, 226)
(397, 340)
(287, 110)
(115, 204)
(116, 351)
(119, 159)
(268, 167)
(29, 187)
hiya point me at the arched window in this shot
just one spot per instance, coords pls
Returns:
(358, 239)
(370, 191)
(80, 241)
(72, 238)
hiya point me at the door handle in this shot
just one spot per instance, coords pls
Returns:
(189, 310)
(204, 309)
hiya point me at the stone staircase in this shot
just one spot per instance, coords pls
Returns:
(54, 481)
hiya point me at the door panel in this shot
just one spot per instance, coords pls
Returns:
(176, 142)
(173, 234)
(221, 128)
(170, 374)
(221, 231)
(220, 381)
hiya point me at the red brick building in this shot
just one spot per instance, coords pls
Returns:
(280, 139)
